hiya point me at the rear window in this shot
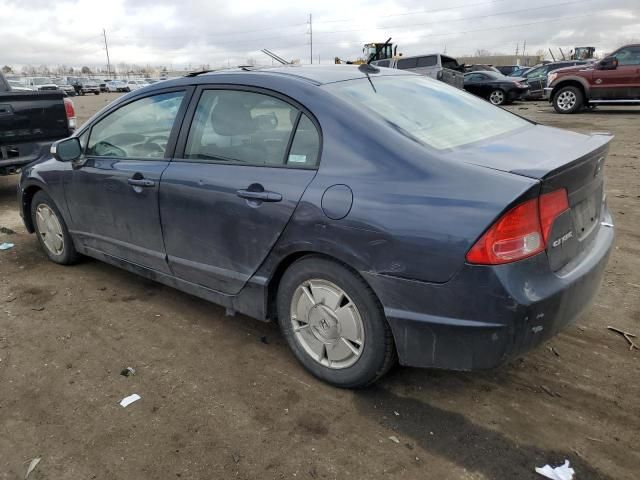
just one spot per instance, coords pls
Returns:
(428, 111)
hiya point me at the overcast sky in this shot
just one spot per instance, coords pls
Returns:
(195, 32)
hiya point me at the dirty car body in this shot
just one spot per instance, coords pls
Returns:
(411, 211)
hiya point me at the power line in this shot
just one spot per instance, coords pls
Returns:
(474, 17)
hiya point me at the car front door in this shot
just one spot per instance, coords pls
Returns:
(112, 191)
(239, 173)
(621, 83)
(536, 79)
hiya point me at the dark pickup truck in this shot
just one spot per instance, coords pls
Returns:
(29, 123)
(614, 80)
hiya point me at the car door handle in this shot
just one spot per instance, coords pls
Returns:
(141, 182)
(260, 196)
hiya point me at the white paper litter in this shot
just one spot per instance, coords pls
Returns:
(32, 466)
(563, 472)
(130, 399)
(6, 246)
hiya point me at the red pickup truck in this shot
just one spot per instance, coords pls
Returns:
(614, 80)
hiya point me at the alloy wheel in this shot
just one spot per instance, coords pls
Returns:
(496, 97)
(327, 324)
(566, 100)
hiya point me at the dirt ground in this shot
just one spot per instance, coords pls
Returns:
(223, 398)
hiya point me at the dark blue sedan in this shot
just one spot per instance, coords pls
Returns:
(376, 214)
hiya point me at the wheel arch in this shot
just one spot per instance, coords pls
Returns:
(571, 82)
(27, 198)
(292, 257)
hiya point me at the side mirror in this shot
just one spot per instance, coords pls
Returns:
(608, 63)
(66, 150)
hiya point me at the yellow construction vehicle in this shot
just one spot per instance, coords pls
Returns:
(371, 52)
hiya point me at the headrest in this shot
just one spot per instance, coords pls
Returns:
(231, 117)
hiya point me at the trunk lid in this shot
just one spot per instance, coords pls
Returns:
(559, 159)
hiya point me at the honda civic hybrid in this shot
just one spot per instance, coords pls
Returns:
(378, 216)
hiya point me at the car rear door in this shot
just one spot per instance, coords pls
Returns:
(239, 172)
(112, 192)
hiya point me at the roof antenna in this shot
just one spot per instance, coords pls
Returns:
(277, 58)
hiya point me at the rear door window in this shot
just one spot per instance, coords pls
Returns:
(251, 128)
(428, 61)
(405, 63)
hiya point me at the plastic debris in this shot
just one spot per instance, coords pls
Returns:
(32, 466)
(563, 472)
(394, 439)
(128, 372)
(126, 401)
(6, 246)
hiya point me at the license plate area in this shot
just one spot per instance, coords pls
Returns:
(586, 214)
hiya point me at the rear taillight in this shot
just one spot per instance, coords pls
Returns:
(552, 205)
(521, 232)
(71, 113)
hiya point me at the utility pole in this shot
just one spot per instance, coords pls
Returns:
(106, 47)
(311, 36)
(524, 47)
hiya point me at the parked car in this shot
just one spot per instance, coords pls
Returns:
(614, 80)
(18, 86)
(103, 86)
(439, 230)
(29, 122)
(495, 87)
(507, 69)
(63, 85)
(478, 67)
(536, 78)
(84, 86)
(519, 72)
(117, 86)
(136, 84)
(436, 65)
(40, 83)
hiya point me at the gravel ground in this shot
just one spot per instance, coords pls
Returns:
(223, 397)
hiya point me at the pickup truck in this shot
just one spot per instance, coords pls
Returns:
(29, 122)
(435, 65)
(614, 80)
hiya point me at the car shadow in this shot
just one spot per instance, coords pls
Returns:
(452, 436)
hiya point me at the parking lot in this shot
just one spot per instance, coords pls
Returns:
(223, 397)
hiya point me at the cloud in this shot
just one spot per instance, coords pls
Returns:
(196, 32)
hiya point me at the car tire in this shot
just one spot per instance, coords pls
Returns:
(568, 99)
(52, 231)
(498, 97)
(334, 323)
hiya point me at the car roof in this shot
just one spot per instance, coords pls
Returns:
(315, 74)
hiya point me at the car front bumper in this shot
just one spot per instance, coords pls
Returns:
(486, 315)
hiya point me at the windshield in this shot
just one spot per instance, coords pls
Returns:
(42, 81)
(427, 110)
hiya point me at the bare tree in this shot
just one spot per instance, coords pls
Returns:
(7, 69)
(85, 70)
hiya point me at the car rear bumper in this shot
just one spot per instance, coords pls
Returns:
(517, 93)
(487, 315)
(14, 157)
